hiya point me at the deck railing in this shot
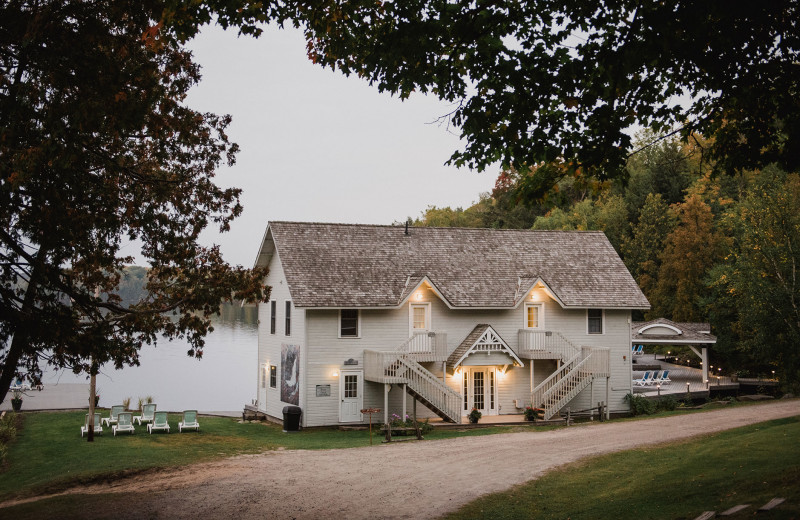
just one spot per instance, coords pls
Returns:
(399, 368)
(545, 344)
(426, 346)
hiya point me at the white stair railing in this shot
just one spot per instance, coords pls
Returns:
(566, 383)
(399, 368)
(426, 346)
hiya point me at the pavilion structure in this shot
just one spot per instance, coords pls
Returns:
(662, 331)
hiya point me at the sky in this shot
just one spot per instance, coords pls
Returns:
(318, 146)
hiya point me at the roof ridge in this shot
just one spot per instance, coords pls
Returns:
(401, 226)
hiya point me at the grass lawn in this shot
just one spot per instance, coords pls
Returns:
(749, 465)
(49, 455)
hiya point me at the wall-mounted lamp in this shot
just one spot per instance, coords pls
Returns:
(335, 373)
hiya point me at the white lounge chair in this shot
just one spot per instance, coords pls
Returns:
(115, 411)
(189, 421)
(159, 423)
(147, 413)
(654, 379)
(97, 427)
(644, 380)
(639, 350)
(19, 385)
(124, 423)
(664, 379)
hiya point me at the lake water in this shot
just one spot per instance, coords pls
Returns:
(223, 380)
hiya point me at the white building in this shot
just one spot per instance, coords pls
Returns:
(364, 316)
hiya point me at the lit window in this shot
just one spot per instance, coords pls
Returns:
(419, 317)
(533, 316)
(273, 376)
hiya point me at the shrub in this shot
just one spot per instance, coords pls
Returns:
(640, 405)
(474, 415)
(127, 403)
(667, 403)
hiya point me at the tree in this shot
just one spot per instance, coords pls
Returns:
(690, 251)
(97, 148)
(607, 214)
(760, 278)
(642, 250)
(560, 81)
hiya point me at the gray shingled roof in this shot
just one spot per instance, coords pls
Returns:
(467, 344)
(691, 332)
(353, 265)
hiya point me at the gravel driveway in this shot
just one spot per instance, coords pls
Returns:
(404, 480)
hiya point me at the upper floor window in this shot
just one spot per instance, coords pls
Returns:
(420, 317)
(288, 318)
(349, 323)
(534, 315)
(594, 321)
(273, 310)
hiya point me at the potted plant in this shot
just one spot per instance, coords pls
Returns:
(474, 416)
(16, 400)
(531, 414)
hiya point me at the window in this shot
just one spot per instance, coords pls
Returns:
(534, 316)
(595, 321)
(264, 377)
(288, 318)
(351, 386)
(419, 317)
(348, 323)
(273, 310)
(273, 376)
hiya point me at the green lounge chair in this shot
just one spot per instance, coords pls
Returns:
(115, 410)
(97, 427)
(124, 423)
(189, 421)
(159, 423)
(147, 413)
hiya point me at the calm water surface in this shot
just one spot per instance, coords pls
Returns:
(223, 380)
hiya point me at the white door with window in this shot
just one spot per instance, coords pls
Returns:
(420, 325)
(479, 390)
(351, 394)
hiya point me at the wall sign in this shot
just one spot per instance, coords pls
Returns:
(323, 390)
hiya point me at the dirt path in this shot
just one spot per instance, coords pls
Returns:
(405, 480)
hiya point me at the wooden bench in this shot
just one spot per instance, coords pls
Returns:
(406, 429)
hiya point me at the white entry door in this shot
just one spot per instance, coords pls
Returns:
(479, 390)
(351, 394)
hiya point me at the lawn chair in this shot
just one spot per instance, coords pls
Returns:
(19, 385)
(189, 421)
(654, 380)
(648, 376)
(147, 413)
(115, 411)
(97, 427)
(664, 380)
(639, 350)
(159, 423)
(124, 423)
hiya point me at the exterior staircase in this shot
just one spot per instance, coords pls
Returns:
(567, 382)
(400, 367)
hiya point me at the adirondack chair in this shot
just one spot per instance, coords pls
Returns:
(189, 421)
(147, 413)
(97, 427)
(645, 378)
(159, 423)
(124, 423)
(115, 411)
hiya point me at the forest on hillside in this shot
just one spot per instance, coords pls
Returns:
(702, 246)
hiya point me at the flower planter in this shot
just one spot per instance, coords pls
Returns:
(16, 404)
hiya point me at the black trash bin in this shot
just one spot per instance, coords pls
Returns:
(291, 418)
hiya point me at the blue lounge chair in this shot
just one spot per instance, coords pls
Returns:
(644, 380)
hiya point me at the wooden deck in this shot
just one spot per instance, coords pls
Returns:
(684, 379)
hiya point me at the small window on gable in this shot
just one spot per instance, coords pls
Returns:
(534, 316)
(288, 318)
(273, 309)
(595, 321)
(273, 376)
(348, 323)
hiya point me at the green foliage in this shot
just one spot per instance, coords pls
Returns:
(560, 82)
(642, 249)
(640, 405)
(758, 286)
(93, 160)
(750, 465)
(475, 415)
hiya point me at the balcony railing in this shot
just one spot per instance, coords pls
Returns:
(426, 346)
(545, 344)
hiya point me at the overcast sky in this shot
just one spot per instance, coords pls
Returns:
(317, 146)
